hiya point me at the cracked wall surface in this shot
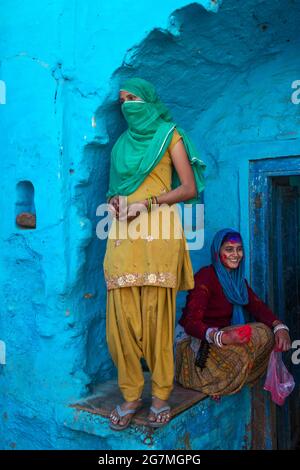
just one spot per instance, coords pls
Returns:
(224, 69)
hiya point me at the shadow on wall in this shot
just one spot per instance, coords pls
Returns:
(193, 64)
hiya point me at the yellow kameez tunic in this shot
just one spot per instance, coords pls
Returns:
(143, 276)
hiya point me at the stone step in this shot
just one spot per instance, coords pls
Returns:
(197, 421)
(107, 395)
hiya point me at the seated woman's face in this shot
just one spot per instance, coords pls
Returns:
(231, 254)
(126, 96)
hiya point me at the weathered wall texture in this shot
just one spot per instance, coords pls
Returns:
(224, 69)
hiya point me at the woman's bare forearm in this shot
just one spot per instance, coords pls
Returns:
(180, 194)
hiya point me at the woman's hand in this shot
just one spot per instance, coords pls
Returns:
(133, 211)
(282, 341)
(114, 201)
(240, 335)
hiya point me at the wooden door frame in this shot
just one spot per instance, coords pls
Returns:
(261, 172)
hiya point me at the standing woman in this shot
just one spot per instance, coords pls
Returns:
(153, 166)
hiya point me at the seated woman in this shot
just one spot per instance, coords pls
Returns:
(237, 355)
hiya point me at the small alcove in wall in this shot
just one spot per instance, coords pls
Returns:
(25, 206)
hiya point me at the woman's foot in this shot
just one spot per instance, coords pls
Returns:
(121, 416)
(159, 413)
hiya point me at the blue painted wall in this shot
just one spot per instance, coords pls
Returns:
(225, 69)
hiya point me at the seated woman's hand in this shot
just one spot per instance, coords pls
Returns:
(239, 335)
(282, 341)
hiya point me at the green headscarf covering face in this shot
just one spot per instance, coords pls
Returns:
(140, 148)
(140, 118)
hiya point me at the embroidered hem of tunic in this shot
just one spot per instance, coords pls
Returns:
(160, 279)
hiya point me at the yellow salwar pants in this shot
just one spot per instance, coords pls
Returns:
(140, 323)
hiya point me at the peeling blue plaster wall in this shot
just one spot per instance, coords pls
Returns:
(224, 68)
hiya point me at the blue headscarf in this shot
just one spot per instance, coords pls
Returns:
(233, 282)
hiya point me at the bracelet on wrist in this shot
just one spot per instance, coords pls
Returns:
(210, 338)
(149, 205)
(280, 326)
(218, 338)
(151, 200)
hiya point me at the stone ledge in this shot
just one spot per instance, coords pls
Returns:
(197, 423)
(107, 395)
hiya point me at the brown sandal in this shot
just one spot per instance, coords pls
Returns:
(156, 412)
(120, 414)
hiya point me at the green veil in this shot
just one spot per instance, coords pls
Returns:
(140, 148)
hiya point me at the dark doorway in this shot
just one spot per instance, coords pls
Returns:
(275, 276)
(285, 270)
